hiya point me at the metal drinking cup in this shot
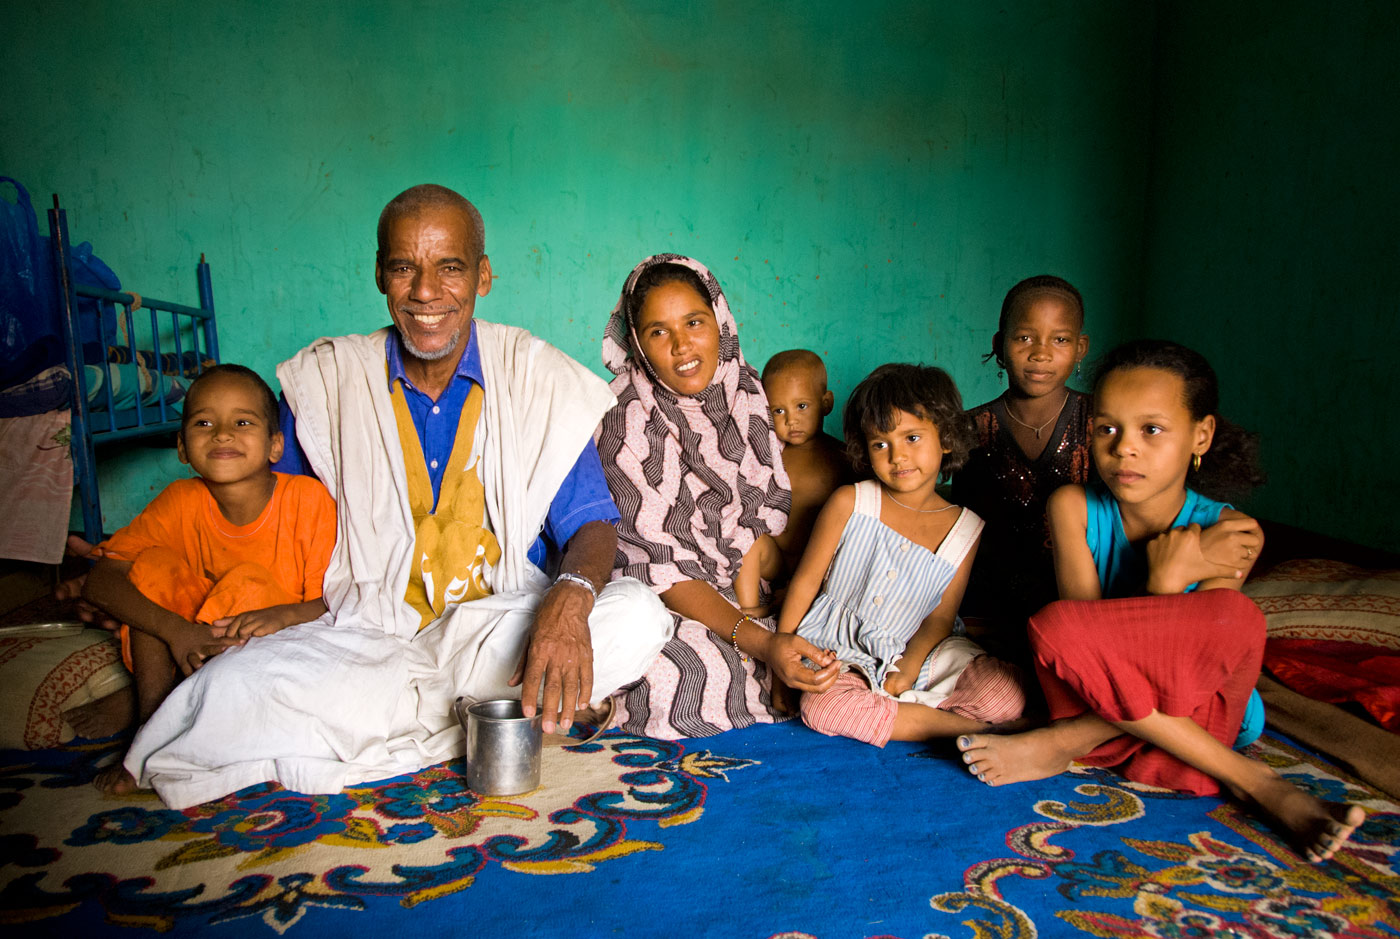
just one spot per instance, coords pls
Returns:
(503, 746)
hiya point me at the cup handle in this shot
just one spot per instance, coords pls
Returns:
(459, 707)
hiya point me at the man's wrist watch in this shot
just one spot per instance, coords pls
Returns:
(579, 579)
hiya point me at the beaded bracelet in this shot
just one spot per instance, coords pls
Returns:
(734, 636)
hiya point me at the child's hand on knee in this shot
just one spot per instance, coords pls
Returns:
(192, 647)
(253, 623)
(896, 684)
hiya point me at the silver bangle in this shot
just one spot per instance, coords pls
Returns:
(579, 579)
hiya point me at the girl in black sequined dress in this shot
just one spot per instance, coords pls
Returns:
(1031, 440)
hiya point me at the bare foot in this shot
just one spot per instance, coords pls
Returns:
(999, 759)
(116, 781)
(1315, 829)
(105, 716)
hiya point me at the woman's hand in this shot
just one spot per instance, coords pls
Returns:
(784, 653)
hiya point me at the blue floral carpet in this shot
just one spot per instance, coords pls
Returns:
(770, 831)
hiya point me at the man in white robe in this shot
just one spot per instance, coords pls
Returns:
(365, 692)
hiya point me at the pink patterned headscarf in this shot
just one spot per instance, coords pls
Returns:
(697, 478)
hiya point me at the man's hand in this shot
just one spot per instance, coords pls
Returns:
(72, 589)
(559, 659)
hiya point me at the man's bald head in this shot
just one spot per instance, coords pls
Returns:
(431, 196)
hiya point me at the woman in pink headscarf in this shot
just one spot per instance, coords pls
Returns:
(695, 468)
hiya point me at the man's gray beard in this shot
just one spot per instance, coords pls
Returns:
(442, 353)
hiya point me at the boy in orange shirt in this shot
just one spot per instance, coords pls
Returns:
(213, 561)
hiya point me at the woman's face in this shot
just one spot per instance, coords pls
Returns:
(679, 335)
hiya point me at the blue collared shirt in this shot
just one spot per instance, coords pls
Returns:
(583, 496)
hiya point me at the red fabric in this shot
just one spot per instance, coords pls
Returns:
(988, 690)
(850, 709)
(1337, 672)
(1191, 655)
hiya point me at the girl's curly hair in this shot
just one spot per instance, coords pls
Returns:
(1230, 469)
(917, 389)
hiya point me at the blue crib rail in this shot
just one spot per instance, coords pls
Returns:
(189, 329)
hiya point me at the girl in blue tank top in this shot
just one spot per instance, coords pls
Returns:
(1137, 674)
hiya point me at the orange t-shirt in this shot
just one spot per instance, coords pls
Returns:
(292, 538)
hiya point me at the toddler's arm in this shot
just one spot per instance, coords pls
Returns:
(806, 583)
(269, 620)
(109, 587)
(936, 627)
(1075, 573)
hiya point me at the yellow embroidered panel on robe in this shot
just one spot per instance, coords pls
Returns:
(453, 549)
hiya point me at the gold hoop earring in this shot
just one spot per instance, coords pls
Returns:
(1195, 462)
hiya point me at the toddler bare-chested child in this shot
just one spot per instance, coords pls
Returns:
(816, 463)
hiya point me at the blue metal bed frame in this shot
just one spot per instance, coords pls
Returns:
(92, 428)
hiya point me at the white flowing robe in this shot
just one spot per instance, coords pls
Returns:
(362, 694)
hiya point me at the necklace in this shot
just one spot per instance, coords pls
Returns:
(1007, 404)
(912, 509)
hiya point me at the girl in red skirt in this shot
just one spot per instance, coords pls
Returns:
(1149, 658)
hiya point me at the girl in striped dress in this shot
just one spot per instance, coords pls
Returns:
(884, 571)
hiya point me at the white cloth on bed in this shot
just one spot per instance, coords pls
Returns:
(361, 694)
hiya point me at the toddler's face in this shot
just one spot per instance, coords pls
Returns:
(798, 400)
(1042, 345)
(679, 335)
(226, 437)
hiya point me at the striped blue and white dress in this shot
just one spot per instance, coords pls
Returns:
(880, 587)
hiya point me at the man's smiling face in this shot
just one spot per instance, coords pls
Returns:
(431, 272)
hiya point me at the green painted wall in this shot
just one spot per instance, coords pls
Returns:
(866, 178)
(1273, 243)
